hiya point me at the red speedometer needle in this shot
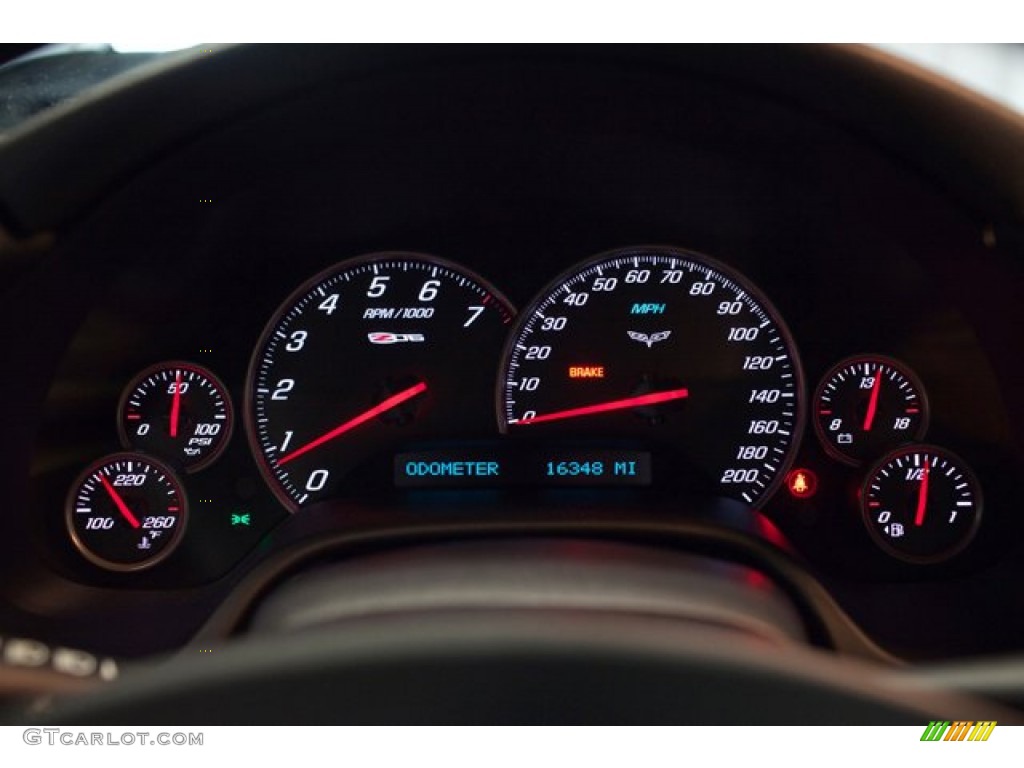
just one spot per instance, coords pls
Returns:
(119, 503)
(381, 407)
(922, 496)
(176, 404)
(869, 417)
(613, 405)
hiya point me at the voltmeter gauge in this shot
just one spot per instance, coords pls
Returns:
(867, 405)
(177, 411)
(126, 512)
(921, 504)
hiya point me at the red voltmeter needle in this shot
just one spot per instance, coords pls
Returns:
(176, 404)
(119, 503)
(922, 496)
(869, 417)
(377, 410)
(614, 405)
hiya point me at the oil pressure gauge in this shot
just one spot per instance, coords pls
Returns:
(921, 504)
(177, 411)
(867, 405)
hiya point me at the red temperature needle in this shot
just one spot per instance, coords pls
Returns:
(922, 496)
(176, 404)
(384, 405)
(614, 405)
(869, 418)
(119, 503)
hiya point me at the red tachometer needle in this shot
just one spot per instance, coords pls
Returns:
(119, 503)
(385, 405)
(176, 404)
(614, 405)
(869, 417)
(922, 496)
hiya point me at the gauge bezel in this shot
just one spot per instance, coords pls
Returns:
(867, 357)
(175, 538)
(133, 385)
(730, 273)
(943, 555)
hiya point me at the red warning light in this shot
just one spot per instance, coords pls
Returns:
(802, 483)
(586, 371)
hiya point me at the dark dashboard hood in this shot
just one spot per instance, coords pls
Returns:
(71, 156)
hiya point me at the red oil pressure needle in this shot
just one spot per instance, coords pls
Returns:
(176, 404)
(614, 405)
(119, 503)
(381, 407)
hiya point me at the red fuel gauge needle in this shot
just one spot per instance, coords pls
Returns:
(869, 417)
(176, 404)
(381, 407)
(613, 405)
(922, 496)
(119, 503)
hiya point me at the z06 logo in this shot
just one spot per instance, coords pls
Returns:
(383, 337)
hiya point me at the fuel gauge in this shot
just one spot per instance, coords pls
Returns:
(867, 405)
(179, 412)
(921, 504)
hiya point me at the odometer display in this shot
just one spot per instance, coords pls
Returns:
(666, 347)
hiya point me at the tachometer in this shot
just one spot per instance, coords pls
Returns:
(374, 351)
(668, 348)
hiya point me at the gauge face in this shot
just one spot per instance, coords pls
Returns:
(867, 405)
(126, 512)
(668, 348)
(177, 411)
(373, 352)
(921, 504)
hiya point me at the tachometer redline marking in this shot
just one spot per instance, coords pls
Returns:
(615, 405)
(119, 503)
(383, 406)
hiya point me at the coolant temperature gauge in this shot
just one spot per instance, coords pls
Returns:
(867, 405)
(179, 412)
(921, 504)
(126, 512)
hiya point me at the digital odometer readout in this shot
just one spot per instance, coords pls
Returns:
(497, 468)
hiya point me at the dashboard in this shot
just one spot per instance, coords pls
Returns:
(565, 293)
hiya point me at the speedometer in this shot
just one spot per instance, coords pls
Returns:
(667, 348)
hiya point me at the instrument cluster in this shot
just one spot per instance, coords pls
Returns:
(646, 375)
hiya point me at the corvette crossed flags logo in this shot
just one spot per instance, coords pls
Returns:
(651, 339)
